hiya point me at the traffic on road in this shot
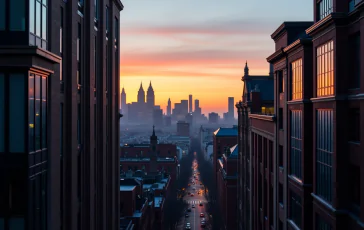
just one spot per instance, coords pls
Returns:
(194, 195)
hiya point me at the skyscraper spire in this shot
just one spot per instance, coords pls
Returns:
(246, 69)
(141, 86)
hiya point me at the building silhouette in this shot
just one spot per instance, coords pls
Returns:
(213, 118)
(59, 115)
(190, 103)
(183, 128)
(124, 106)
(142, 111)
(169, 107)
(231, 108)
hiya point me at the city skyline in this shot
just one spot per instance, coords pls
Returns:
(209, 48)
(176, 100)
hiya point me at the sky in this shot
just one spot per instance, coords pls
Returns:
(199, 47)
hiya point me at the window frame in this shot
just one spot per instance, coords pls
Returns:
(325, 65)
(297, 79)
(295, 167)
(41, 39)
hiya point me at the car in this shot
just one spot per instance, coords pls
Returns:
(191, 194)
(203, 224)
(193, 206)
(189, 210)
(202, 215)
(186, 215)
(203, 220)
(188, 226)
(201, 204)
(193, 188)
(198, 192)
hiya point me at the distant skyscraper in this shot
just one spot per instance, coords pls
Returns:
(184, 104)
(123, 99)
(141, 94)
(197, 104)
(190, 103)
(150, 97)
(230, 108)
(169, 107)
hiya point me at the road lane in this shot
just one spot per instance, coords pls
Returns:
(199, 196)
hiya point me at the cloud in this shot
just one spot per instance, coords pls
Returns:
(216, 27)
(181, 57)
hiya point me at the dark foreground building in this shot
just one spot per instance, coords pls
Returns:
(318, 136)
(59, 118)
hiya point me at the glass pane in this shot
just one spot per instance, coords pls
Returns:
(37, 18)
(31, 113)
(44, 112)
(2, 112)
(16, 224)
(37, 112)
(44, 2)
(44, 22)
(2, 17)
(31, 16)
(17, 111)
(17, 15)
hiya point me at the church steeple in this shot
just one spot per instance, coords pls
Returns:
(141, 94)
(153, 141)
(246, 69)
(150, 97)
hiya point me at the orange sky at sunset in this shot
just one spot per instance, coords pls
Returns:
(202, 54)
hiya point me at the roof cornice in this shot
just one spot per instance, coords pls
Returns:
(276, 55)
(119, 4)
(297, 43)
(325, 22)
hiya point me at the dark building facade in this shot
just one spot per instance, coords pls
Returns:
(183, 128)
(255, 116)
(318, 91)
(59, 115)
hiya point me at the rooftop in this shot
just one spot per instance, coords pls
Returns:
(226, 132)
(158, 201)
(127, 187)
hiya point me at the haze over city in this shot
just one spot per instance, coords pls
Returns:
(199, 47)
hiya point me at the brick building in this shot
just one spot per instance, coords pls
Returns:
(59, 116)
(317, 145)
(226, 187)
(150, 158)
(255, 123)
(223, 139)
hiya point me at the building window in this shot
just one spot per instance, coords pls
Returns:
(2, 112)
(280, 156)
(296, 68)
(280, 82)
(324, 8)
(116, 32)
(296, 144)
(16, 113)
(354, 125)
(37, 112)
(96, 10)
(17, 15)
(107, 21)
(61, 33)
(2, 17)
(321, 224)
(280, 118)
(325, 69)
(296, 209)
(324, 151)
(38, 23)
(354, 188)
(79, 54)
(280, 194)
(354, 63)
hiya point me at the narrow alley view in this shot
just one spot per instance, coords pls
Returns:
(196, 195)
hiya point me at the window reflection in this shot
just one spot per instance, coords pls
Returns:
(296, 87)
(31, 112)
(38, 23)
(37, 112)
(325, 69)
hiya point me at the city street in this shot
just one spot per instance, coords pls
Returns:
(194, 196)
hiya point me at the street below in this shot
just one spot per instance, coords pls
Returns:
(195, 216)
